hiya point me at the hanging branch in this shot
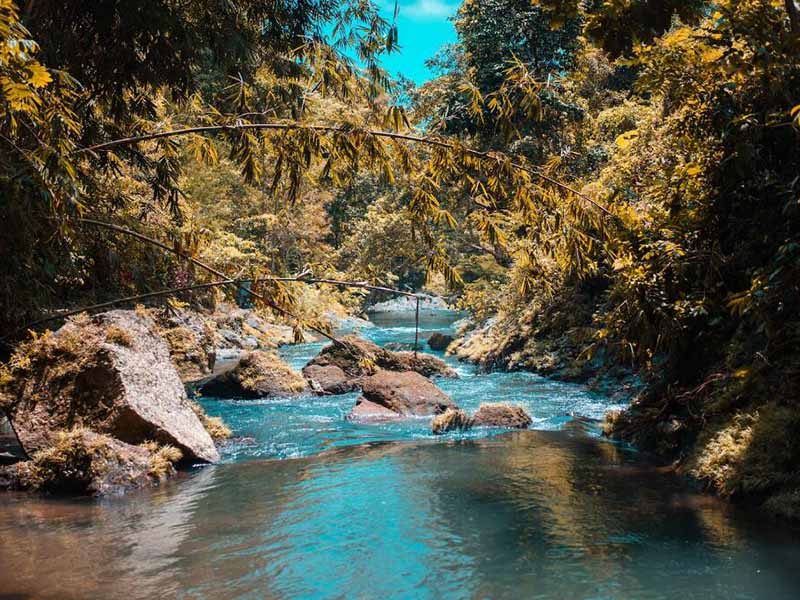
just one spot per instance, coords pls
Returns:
(338, 129)
(794, 16)
(202, 265)
(306, 278)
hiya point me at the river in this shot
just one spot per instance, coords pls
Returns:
(308, 505)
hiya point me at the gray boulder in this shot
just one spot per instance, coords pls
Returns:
(111, 374)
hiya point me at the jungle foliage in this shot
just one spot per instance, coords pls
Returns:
(680, 119)
(621, 175)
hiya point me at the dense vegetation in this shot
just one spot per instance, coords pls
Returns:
(615, 182)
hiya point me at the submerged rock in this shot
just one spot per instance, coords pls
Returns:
(451, 420)
(110, 373)
(440, 341)
(488, 415)
(258, 375)
(501, 415)
(406, 394)
(329, 379)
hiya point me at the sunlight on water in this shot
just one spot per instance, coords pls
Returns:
(390, 512)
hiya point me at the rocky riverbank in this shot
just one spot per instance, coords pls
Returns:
(100, 405)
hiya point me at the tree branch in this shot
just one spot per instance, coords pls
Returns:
(202, 265)
(110, 303)
(337, 129)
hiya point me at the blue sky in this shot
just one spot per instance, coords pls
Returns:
(424, 27)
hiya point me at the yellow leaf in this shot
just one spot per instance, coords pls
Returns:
(627, 138)
(40, 76)
(693, 170)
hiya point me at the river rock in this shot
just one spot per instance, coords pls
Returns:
(501, 415)
(190, 339)
(329, 379)
(86, 463)
(451, 420)
(440, 341)
(406, 394)
(111, 374)
(366, 411)
(358, 357)
(258, 375)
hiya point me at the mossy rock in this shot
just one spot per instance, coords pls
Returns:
(258, 375)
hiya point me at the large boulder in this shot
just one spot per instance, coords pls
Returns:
(258, 375)
(191, 342)
(501, 415)
(407, 394)
(111, 374)
(358, 357)
(440, 341)
(329, 379)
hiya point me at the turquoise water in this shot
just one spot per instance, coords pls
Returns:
(310, 506)
(292, 427)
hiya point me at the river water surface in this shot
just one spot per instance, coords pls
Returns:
(307, 505)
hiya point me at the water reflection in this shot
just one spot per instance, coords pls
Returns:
(528, 514)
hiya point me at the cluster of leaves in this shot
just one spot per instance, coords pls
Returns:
(163, 65)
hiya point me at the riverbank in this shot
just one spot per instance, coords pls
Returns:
(732, 431)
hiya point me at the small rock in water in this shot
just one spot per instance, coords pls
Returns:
(366, 411)
(451, 420)
(440, 341)
(501, 415)
(259, 374)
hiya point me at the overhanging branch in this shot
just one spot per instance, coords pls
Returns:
(337, 129)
